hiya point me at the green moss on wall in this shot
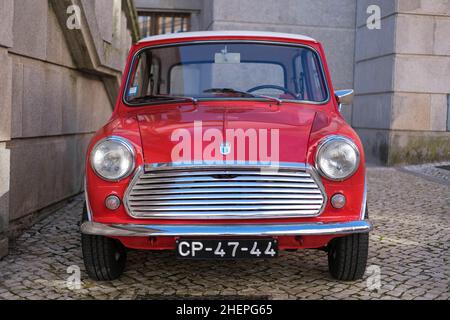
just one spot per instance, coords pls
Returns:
(418, 147)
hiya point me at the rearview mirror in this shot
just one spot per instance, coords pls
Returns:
(344, 97)
(225, 57)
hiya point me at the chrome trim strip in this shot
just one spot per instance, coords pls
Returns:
(250, 212)
(237, 177)
(135, 230)
(129, 189)
(218, 201)
(274, 166)
(269, 166)
(218, 191)
(207, 171)
(86, 197)
(225, 184)
(312, 171)
(225, 197)
(364, 201)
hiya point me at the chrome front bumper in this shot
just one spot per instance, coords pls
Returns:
(300, 229)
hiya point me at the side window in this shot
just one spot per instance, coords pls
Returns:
(309, 81)
(300, 79)
(135, 87)
(155, 78)
(317, 81)
(146, 80)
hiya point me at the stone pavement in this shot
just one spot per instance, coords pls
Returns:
(409, 254)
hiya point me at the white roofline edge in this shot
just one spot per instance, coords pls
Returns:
(183, 35)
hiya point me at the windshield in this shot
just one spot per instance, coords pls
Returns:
(226, 70)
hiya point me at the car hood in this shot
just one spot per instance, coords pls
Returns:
(204, 132)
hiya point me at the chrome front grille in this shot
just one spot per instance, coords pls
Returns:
(167, 191)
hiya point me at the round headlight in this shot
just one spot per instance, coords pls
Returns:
(112, 158)
(337, 158)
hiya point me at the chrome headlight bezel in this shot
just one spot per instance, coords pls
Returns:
(123, 142)
(322, 146)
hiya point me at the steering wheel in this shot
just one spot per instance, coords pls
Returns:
(271, 86)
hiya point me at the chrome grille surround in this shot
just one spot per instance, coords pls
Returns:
(225, 191)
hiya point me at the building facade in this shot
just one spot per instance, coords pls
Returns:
(60, 67)
(398, 65)
(61, 63)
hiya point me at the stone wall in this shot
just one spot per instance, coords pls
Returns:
(57, 88)
(402, 79)
(421, 82)
(374, 65)
(6, 22)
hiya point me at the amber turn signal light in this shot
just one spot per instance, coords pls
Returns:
(338, 201)
(112, 202)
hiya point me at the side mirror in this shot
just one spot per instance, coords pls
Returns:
(344, 97)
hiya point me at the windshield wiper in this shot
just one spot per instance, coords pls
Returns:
(243, 93)
(163, 97)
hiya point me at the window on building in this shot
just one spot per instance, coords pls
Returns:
(152, 24)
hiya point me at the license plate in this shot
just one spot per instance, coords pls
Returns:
(227, 249)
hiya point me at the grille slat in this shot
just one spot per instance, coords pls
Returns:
(225, 177)
(228, 214)
(220, 184)
(209, 172)
(235, 202)
(238, 196)
(224, 192)
(239, 191)
(208, 207)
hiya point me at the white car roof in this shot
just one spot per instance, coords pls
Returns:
(182, 35)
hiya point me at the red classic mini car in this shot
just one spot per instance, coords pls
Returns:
(226, 145)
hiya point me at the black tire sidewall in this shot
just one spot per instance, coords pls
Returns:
(100, 255)
(347, 257)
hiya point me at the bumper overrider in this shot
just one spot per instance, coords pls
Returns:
(300, 229)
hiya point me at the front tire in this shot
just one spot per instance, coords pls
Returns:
(347, 257)
(104, 258)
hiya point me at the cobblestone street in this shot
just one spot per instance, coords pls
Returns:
(410, 244)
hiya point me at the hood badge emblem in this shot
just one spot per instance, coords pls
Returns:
(225, 148)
